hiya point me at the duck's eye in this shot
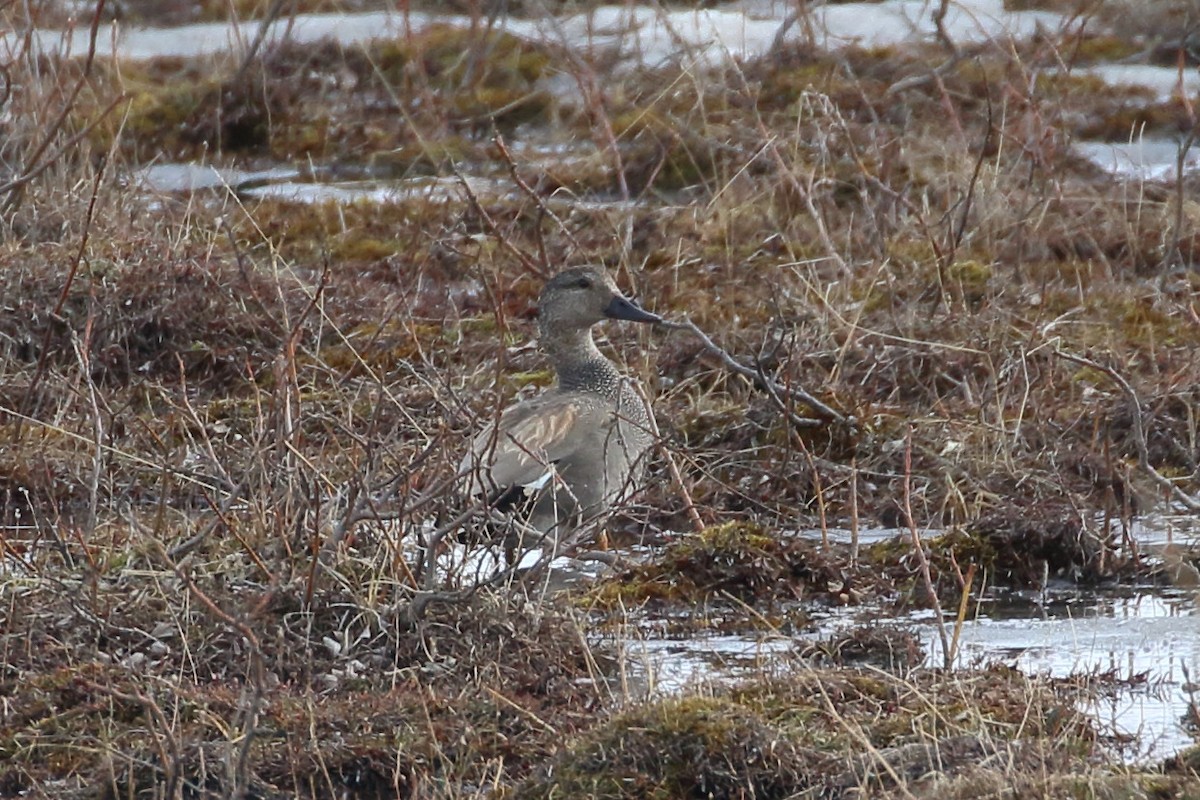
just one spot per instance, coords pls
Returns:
(584, 283)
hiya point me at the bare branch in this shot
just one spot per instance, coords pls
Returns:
(1139, 430)
(778, 391)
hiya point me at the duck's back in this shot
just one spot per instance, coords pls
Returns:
(570, 452)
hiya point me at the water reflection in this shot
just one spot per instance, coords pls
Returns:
(1147, 641)
(1143, 158)
(641, 34)
(1163, 82)
(638, 35)
(1140, 643)
(671, 665)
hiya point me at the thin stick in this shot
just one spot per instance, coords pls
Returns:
(791, 393)
(526, 261)
(922, 559)
(853, 512)
(1139, 430)
(819, 491)
(528, 191)
(43, 357)
(962, 610)
(672, 466)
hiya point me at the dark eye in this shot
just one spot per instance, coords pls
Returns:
(584, 283)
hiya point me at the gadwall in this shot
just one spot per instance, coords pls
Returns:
(566, 455)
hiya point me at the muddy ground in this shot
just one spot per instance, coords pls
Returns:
(229, 424)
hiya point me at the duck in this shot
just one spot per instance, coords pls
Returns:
(566, 456)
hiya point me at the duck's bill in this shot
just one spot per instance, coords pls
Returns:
(626, 309)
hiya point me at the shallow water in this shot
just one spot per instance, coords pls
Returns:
(1144, 649)
(1147, 639)
(1140, 642)
(669, 666)
(1164, 82)
(641, 35)
(172, 178)
(1164, 530)
(425, 189)
(1143, 158)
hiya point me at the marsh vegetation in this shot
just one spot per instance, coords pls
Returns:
(231, 421)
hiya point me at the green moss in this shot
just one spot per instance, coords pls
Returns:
(309, 137)
(677, 748)
(352, 247)
(1105, 49)
(786, 85)
(947, 552)
(666, 151)
(970, 273)
(730, 538)
(968, 280)
(629, 593)
(908, 251)
(490, 74)
(378, 347)
(738, 559)
(540, 377)
(502, 105)
(975, 72)
(484, 325)
(1090, 376)
(158, 113)
(1062, 84)
(458, 55)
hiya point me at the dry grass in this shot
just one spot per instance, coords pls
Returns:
(230, 425)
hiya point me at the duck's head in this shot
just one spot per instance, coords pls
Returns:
(579, 297)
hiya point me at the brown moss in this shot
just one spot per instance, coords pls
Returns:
(1119, 124)
(1106, 49)
(736, 559)
(887, 648)
(281, 104)
(780, 738)
(147, 317)
(690, 747)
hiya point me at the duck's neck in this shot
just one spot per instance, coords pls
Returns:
(578, 363)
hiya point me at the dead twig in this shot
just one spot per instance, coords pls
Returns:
(528, 191)
(776, 390)
(1139, 430)
(166, 745)
(922, 558)
(264, 28)
(526, 261)
(672, 466)
(943, 37)
(43, 357)
(238, 765)
(34, 164)
(963, 602)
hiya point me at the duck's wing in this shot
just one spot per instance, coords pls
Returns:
(521, 449)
